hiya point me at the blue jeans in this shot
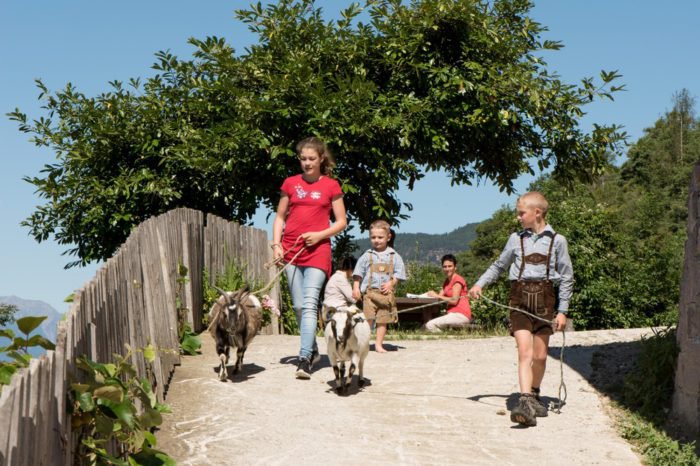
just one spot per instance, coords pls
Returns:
(305, 285)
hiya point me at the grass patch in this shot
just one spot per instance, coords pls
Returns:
(654, 444)
(643, 403)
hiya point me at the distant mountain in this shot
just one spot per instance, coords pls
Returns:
(424, 247)
(30, 307)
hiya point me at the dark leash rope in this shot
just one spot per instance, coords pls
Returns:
(562, 385)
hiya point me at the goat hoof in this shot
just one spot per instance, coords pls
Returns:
(360, 382)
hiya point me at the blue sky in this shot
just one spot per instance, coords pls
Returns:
(89, 43)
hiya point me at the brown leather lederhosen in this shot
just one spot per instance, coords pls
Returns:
(376, 305)
(534, 296)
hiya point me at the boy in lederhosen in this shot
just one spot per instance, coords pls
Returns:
(538, 259)
(376, 275)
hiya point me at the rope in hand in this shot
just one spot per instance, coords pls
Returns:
(562, 385)
(277, 262)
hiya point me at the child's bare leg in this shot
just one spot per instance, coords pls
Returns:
(379, 341)
(539, 358)
(523, 338)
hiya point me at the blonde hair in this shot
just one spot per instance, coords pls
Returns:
(327, 162)
(535, 199)
(381, 225)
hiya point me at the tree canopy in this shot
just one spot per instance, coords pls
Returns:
(395, 88)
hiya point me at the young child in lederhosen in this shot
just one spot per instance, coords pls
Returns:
(537, 259)
(376, 275)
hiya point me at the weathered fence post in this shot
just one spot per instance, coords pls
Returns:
(686, 396)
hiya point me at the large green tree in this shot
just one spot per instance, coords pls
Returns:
(395, 88)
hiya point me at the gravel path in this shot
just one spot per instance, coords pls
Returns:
(428, 402)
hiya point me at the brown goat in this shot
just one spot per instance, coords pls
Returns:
(234, 320)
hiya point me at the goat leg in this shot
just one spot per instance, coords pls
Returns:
(351, 372)
(338, 387)
(342, 377)
(239, 359)
(223, 358)
(360, 372)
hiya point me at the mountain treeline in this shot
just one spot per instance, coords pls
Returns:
(626, 230)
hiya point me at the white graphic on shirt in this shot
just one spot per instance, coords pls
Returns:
(315, 195)
(301, 194)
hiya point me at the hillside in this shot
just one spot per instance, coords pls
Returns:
(424, 247)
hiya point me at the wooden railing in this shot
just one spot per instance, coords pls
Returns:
(132, 299)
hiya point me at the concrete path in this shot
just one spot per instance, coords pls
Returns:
(429, 402)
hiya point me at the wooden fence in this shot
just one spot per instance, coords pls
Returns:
(132, 299)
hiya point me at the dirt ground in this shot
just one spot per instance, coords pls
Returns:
(427, 402)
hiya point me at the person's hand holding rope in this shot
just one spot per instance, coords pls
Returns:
(311, 238)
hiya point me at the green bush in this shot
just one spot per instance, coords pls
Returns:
(648, 388)
(113, 404)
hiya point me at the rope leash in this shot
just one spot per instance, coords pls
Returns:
(562, 385)
(278, 261)
(418, 307)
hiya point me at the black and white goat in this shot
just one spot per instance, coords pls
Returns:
(234, 320)
(347, 339)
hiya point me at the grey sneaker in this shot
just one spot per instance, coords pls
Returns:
(303, 369)
(524, 412)
(538, 405)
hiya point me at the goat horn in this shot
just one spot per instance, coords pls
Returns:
(221, 292)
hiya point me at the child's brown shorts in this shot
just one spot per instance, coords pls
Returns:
(535, 297)
(380, 307)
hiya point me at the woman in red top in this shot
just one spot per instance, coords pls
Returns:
(454, 292)
(303, 222)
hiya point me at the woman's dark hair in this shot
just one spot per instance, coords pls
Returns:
(392, 237)
(448, 257)
(346, 263)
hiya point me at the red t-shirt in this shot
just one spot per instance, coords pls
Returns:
(462, 305)
(309, 210)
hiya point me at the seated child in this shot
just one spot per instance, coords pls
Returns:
(338, 294)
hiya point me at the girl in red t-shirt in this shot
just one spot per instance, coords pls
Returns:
(454, 292)
(303, 221)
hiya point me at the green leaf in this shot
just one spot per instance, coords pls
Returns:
(110, 392)
(21, 358)
(149, 352)
(7, 333)
(6, 372)
(123, 411)
(38, 340)
(80, 387)
(151, 418)
(86, 402)
(191, 344)
(28, 324)
(104, 425)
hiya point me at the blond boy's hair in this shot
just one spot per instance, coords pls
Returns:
(536, 200)
(381, 225)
